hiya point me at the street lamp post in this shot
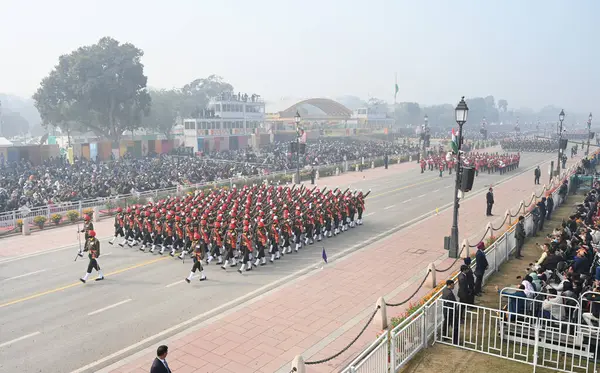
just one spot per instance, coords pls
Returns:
(461, 112)
(297, 120)
(561, 117)
(589, 125)
(426, 120)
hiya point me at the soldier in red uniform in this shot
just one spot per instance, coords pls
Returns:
(93, 246)
(198, 254)
(119, 225)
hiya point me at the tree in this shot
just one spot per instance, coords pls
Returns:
(196, 95)
(101, 88)
(13, 124)
(503, 105)
(163, 112)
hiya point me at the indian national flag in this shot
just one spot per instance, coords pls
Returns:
(454, 142)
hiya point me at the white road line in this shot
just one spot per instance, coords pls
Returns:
(176, 283)
(369, 214)
(24, 275)
(109, 307)
(422, 195)
(435, 191)
(107, 254)
(19, 339)
(408, 200)
(389, 207)
(448, 186)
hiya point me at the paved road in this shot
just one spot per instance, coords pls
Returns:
(49, 319)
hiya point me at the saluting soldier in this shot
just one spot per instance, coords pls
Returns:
(93, 246)
(198, 254)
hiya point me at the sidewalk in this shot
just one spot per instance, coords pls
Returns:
(45, 240)
(318, 314)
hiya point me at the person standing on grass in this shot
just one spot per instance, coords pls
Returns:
(520, 236)
(481, 264)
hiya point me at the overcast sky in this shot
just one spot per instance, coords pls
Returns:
(530, 52)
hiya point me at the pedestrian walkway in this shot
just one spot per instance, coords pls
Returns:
(49, 239)
(319, 314)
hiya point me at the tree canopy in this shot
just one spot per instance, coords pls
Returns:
(99, 88)
(13, 124)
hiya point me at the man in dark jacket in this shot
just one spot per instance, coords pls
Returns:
(542, 206)
(537, 173)
(159, 365)
(549, 206)
(520, 236)
(481, 264)
(450, 311)
(489, 197)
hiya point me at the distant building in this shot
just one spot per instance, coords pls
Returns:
(372, 118)
(228, 122)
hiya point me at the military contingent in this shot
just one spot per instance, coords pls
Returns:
(482, 162)
(248, 226)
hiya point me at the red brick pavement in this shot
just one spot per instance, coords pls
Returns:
(330, 304)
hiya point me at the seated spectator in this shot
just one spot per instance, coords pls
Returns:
(516, 299)
(552, 306)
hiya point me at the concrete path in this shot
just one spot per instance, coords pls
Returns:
(259, 320)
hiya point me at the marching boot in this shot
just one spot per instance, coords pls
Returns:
(289, 249)
(172, 253)
(143, 247)
(249, 266)
(189, 278)
(296, 248)
(182, 255)
(113, 240)
(100, 276)
(263, 261)
(153, 248)
(84, 278)
(256, 262)
(210, 258)
(202, 276)
(224, 266)
(219, 260)
(241, 270)
(233, 262)
(132, 243)
(162, 249)
(80, 253)
(277, 256)
(272, 258)
(319, 237)
(122, 243)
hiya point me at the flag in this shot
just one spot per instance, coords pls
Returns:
(454, 142)
(324, 255)
(396, 89)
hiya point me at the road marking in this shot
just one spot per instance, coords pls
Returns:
(446, 187)
(177, 283)
(389, 207)
(109, 307)
(369, 214)
(42, 252)
(408, 200)
(422, 195)
(107, 254)
(24, 275)
(19, 339)
(435, 191)
(56, 290)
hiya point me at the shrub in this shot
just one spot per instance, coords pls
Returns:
(89, 212)
(73, 216)
(56, 218)
(20, 225)
(40, 220)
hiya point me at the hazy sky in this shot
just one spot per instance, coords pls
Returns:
(530, 52)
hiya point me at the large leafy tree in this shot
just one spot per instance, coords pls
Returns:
(196, 95)
(164, 111)
(100, 88)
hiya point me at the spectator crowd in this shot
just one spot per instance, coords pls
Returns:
(56, 181)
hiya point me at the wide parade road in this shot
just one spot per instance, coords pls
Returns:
(51, 321)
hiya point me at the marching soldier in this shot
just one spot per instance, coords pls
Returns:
(87, 226)
(246, 248)
(261, 243)
(217, 243)
(198, 254)
(230, 246)
(119, 225)
(158, 234)
(93, 246)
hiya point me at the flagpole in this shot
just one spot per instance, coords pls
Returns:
(395, 85)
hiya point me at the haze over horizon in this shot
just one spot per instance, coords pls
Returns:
(531, 53)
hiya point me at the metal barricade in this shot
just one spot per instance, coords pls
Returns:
(569, 309)
(374, 357)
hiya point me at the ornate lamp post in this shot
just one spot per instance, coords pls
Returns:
(297, 120)
(461, 112)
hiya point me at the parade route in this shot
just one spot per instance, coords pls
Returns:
(45, 310)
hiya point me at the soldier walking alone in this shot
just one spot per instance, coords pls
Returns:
(93, 246)
(537, 173)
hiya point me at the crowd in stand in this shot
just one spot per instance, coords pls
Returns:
(57, 181)
(567, 270)
(529, 145)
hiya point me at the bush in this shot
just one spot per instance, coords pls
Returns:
(56, 218)
(89, 212)
(20, 225)
(40, 220)
(73, 216)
